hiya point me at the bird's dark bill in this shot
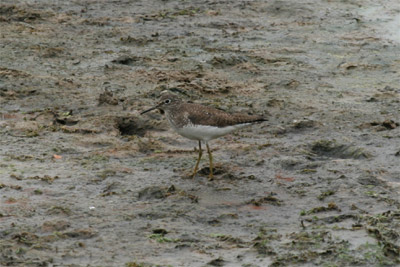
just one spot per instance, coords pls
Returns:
(153, 108)
(147, 110)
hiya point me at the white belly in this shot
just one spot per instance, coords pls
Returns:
(207, 133)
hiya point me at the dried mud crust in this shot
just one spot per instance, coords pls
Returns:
(85, 180)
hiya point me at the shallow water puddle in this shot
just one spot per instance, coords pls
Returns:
(384, 21)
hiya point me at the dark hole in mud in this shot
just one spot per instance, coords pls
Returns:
(66, 121)
(380, 126)
(160, 231)
(304, 124)
(126, 60)
(131, 126)
(217, 262)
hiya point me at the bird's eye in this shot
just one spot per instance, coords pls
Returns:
(167, 101)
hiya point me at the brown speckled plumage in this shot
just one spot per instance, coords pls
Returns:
(202, 115)
(182, 113)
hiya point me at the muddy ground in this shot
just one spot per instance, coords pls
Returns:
(87, 181)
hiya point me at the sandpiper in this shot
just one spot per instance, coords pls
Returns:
(201, 123)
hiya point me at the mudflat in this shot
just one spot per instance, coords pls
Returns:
(85, 180)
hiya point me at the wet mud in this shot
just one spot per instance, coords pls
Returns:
(85, 180)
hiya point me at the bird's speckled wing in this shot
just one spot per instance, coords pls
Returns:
(203, 115)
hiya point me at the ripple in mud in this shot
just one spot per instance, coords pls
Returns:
(228, 60)
(13, 13)
(380, 126)
(270, 199)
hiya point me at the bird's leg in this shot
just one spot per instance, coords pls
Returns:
(198, 160)
(211, 176)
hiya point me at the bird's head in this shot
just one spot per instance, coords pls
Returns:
(166, 101)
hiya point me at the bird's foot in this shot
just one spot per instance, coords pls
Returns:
(186, 174)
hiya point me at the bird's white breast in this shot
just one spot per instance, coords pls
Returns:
(205, 132)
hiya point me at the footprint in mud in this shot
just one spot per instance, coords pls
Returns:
(155, 192)
(219, 171)
(332, 149)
